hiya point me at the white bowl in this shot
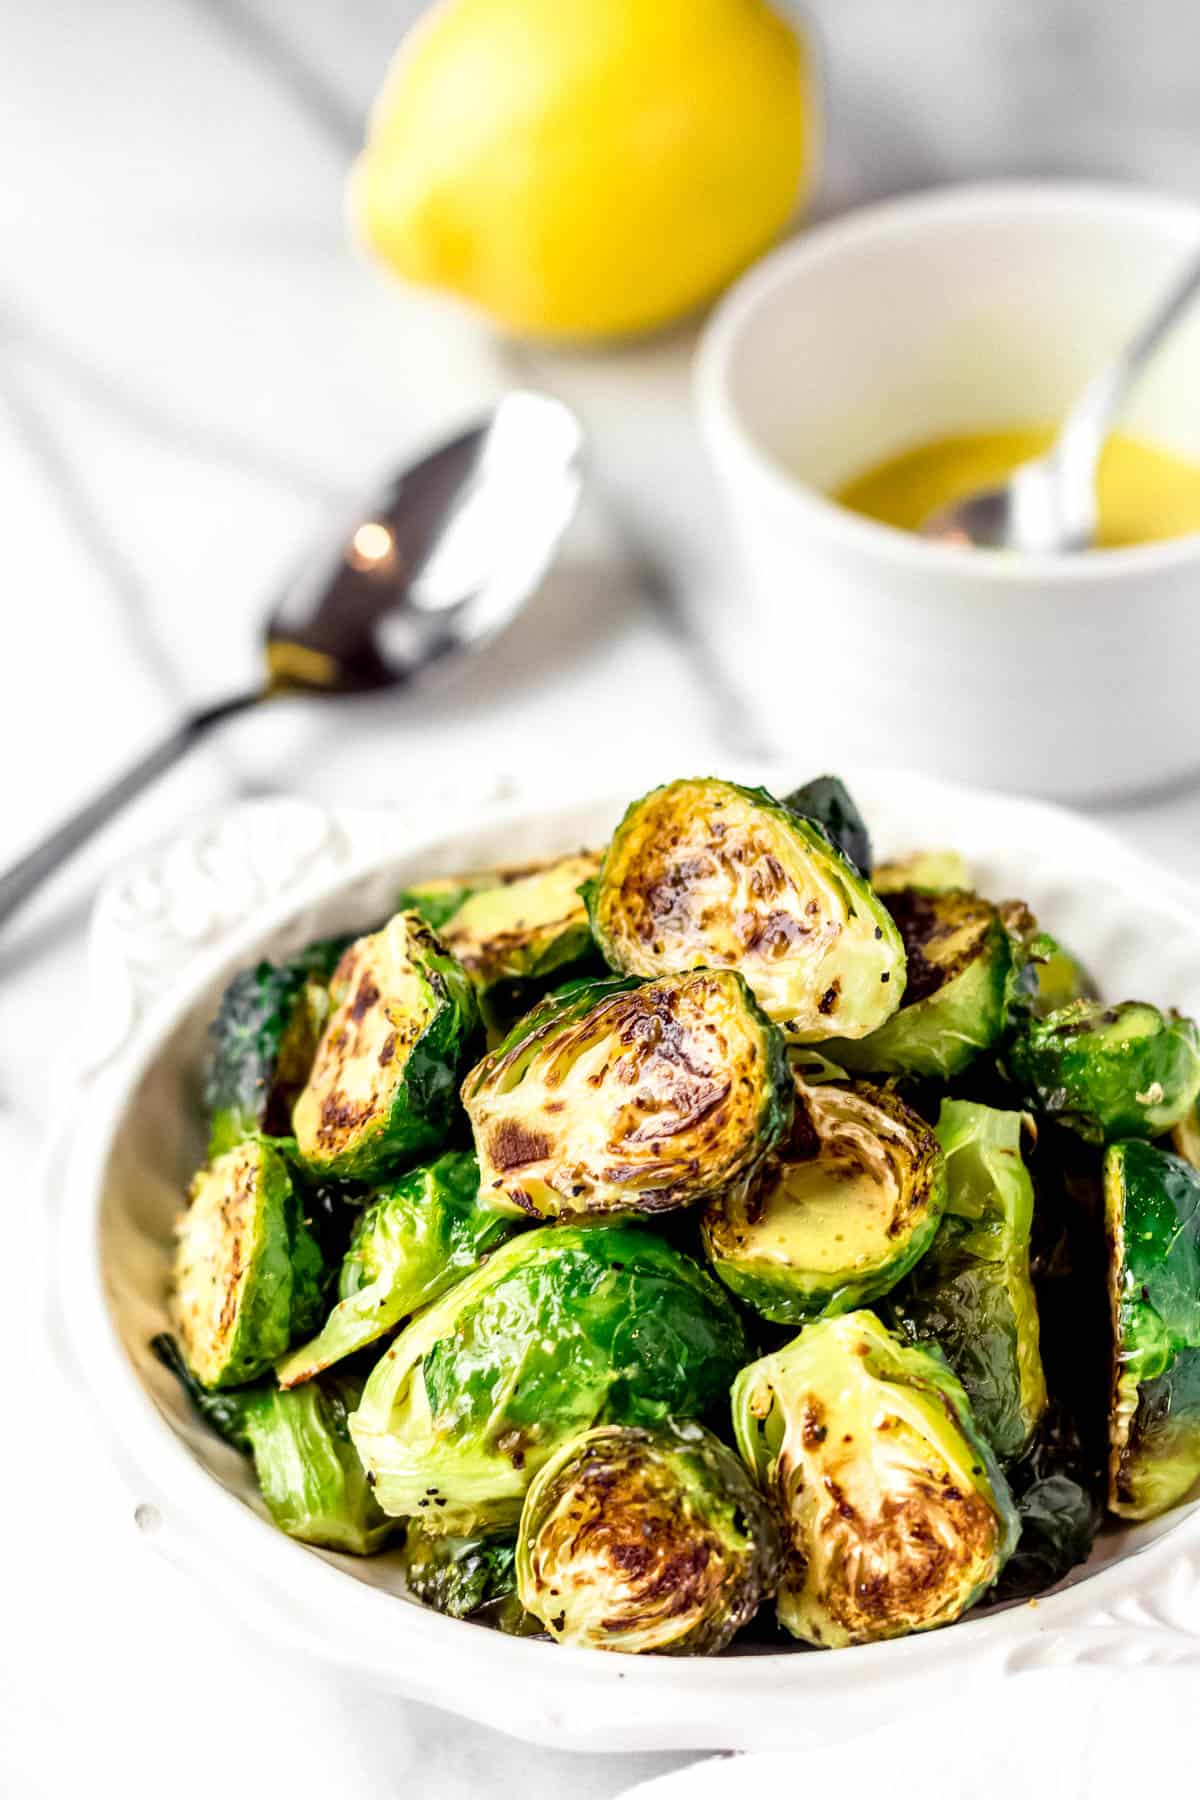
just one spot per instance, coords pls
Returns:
(961, 310)
(270, 877)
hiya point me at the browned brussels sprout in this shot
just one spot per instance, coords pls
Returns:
(618, 1096)
(526, 925)
(837, 1216)
(706, 874)
(960, 969)
(382, 1087)
(248, 1276)
(262, 1044)
(638, 1539)
(897, 1515)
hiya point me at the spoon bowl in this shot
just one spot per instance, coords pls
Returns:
(439, 562)
(1046, 506)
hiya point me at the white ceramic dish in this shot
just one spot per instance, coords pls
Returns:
(273, 875)
(966, 309)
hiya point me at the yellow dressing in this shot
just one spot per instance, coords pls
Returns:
(1145, 493)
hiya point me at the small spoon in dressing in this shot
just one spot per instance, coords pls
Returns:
(442, 559)
(1049, 506)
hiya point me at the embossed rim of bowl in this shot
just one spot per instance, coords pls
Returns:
(555, 1695)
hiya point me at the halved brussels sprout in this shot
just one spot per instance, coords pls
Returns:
(263, 1041)
(466, 1578)
(439, 898)
(706, 874)
(1057, 979)
(960, 964)
(382, 1087)
(413, 1240)
(972, 1295)
(308, 1471)
(248, 1275)
(897, 1514)
(524, 926)
(562, 1328)
(930, 871)
(1108, 1072)
(639, 1539)
(619, 1096)
(1152, 1206)
(839, 1215)
(826, 802)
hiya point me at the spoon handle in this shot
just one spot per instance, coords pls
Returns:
(18, 881)
(1091, 418)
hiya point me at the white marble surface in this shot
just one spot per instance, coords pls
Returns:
(194, 372)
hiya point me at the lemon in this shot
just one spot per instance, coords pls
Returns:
(581, 168)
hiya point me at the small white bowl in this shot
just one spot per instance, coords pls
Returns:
(275, 874)
(962, 310)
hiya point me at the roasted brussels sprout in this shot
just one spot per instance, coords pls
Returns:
(898, 1517)
(705, 874)
(972, 1295)
(382, 1087)
(526, 925)
(1109, 1072)
(639, 1539)
(930, 871)
(1057, 979)
(308, 1471)
(563, 1328)
(248, 1275)
(839, 1215)
(439, 898)
(960, 966)
(619, 1096)
(415, 1239)
(467, 1578)
(826, 802)
(263, 1041)
(1152, 1206)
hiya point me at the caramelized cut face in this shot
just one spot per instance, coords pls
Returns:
(523, 924)
(381, 1008)
(233, 1275)
(638, 1540)
(897, 1516)
(621, 1097)
(705, 874)
(942, 934)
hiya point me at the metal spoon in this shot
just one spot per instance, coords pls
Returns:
(1049, 504)
(444, 557)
